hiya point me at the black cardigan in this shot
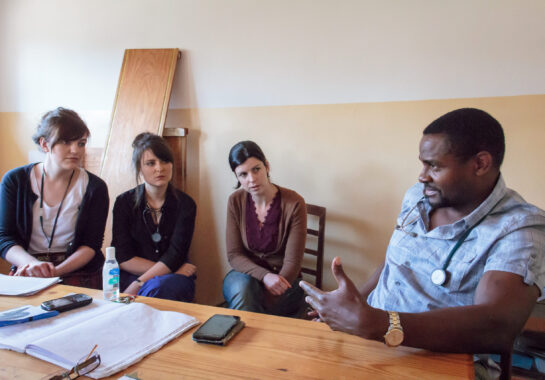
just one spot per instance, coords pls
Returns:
(17, 199)
(132, 237)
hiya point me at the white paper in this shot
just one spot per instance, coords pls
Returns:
(124, 335)
(24, 286)
(17, 337)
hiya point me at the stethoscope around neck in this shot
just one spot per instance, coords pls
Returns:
(440, 275)
(155, 236)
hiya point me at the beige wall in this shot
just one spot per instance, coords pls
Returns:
(334, 91)
(356, 159)
(239, 53)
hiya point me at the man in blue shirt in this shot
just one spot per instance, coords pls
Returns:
(465, 264)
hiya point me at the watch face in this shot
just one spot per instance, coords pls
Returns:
(394, 337)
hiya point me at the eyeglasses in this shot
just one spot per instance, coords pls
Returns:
(84, 366)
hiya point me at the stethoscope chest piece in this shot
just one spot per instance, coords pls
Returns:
(438, 277)
(156, 237)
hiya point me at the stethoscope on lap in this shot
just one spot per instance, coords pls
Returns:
(438, 276)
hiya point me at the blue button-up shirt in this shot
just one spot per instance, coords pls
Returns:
(510, 238)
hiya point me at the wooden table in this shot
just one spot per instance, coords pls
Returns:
(268, 347)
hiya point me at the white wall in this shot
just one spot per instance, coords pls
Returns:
(250, 53)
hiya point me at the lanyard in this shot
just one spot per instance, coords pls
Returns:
(50, 239)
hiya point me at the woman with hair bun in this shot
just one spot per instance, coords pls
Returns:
(266, 233)
(153, 226)
(53, 213)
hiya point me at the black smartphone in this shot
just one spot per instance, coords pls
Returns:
(67, 303)
(218, 329)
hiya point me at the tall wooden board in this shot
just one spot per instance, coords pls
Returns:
(141, 104)
(176, 139)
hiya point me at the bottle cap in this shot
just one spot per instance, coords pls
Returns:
(110, 253)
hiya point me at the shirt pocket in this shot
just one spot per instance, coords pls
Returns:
(407, 250)
(464, 272)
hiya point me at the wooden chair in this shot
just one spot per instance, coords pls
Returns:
(505, 365)
(317, 253)
(529, 341)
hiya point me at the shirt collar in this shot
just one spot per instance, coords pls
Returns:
(450, 231)
(488, 204)
(169, 196)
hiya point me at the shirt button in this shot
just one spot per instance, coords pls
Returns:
(398, 283)
(407, 263)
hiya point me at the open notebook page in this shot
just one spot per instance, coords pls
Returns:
(124, 336)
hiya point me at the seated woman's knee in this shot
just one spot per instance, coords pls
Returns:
(170, 286)
(240, 283)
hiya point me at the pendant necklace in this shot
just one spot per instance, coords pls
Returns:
(156, 214)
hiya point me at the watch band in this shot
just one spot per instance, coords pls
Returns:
(394, 336)
(395, 322)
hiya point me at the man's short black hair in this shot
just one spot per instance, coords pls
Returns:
(471, 131)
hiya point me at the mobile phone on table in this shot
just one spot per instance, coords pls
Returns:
(218, 329)
(67, 303)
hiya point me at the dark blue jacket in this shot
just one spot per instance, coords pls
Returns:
(17, 199)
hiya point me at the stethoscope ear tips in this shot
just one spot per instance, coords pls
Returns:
(411, 234)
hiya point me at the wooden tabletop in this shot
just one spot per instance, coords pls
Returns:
(268, 347)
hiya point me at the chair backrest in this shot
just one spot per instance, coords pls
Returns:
(317, 251)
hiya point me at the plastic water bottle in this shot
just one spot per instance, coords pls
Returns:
(110, 276)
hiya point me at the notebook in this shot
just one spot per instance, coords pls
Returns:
(24, 286)
(124, 335)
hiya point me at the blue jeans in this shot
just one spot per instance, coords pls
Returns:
(243, 292)
(169, 286)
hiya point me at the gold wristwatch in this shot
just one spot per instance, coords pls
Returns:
(394, 335)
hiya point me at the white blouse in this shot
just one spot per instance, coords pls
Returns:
(66, 223)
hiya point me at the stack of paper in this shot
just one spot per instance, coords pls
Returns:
(124, 335)
(24, 286)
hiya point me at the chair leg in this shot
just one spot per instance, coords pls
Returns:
(505, 365)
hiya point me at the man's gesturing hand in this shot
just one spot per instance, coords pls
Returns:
(344, 309)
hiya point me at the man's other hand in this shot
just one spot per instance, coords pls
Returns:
(344, 309)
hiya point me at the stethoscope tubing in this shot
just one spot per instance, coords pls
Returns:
(439, 276)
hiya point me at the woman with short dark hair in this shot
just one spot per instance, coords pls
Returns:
(153, 226)
(266, 232)
(53, 214)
